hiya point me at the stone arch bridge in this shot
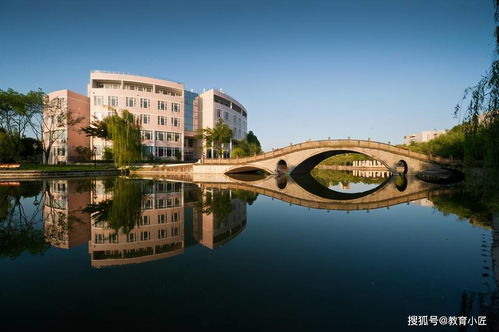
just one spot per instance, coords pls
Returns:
(302, 158)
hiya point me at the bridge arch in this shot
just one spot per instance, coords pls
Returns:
(248, 169)
(309, 163)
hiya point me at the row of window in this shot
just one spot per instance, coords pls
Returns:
(132, 102)
(227, 118)
(132, 237)
(162, 120)
(161, 203)
(147, 135)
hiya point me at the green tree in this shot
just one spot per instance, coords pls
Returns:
(122, 212)
(248, 146)
(217, 137)
(123, 131)
(480, 110)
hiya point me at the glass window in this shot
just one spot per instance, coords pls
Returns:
(161, 105)
(146, 135)
(176, 122)
(98, 100)
(130, 102)
(145, 103)
(161, 120)
(112, 101)
(219, 114)
(161, 233)
(145, 118)
(161, 218)
(160, 135)
(226, 116)
(131, 237)
(144, 236)
(175, 107)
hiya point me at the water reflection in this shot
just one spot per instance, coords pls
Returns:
(138, 220)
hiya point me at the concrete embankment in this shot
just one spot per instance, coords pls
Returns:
(40, 174)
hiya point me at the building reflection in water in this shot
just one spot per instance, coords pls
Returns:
(65, 225)
(171, 216)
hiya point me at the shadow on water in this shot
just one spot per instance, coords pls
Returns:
(310, 184)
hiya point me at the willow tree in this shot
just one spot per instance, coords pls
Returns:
(124, 131)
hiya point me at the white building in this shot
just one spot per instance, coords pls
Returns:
(423, 136)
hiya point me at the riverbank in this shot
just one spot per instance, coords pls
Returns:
(54, 171)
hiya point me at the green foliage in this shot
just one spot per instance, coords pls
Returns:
(84, 152)
(245, 196)
(467, 206)
(450, 144)
(108, 153)
(97, 129)
(479, 109)
(124, 131)
(123, 211)
(8, 147)
(248, 146)
(217, 203)
(345, 159)
(333, 178)
(18, 231)
(216, 137)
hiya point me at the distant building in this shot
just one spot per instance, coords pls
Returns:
(423, 136)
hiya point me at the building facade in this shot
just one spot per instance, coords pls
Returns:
(169, 116)
(423, 136)
(216, 105)
(158, 106)
(66, 114)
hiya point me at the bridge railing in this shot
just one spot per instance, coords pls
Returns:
(333, 143)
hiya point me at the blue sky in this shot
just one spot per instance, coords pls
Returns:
(303, 69)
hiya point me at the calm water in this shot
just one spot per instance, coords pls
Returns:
(119, 253)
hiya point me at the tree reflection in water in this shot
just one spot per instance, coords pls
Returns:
(20, 228)
(123, 211)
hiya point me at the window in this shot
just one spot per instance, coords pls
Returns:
(113, 238)
(61, 151)
(161, 218)
(219, 114)
(146, 135)
(161, 233)
(161, 120)
(160, 135)
(145, 220)
(173, 137)
(130, 102)
(145, 118)
(226, 116)
(112, 101)
(144, 236)
(175, 107)
(161, 105)
(175, 231)
(160, 203)
(233, 118)
(176, 122)
(98, 100)
(131, 237)
(145, 103)
(175, 217)
(99, 238)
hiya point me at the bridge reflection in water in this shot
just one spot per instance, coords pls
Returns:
(138, 220)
